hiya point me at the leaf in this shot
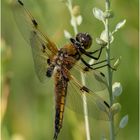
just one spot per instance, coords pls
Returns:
(67, 34)
(123, 121)
(117, 89)
(99, 14)
(120, 24)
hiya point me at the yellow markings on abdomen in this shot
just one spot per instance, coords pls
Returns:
(63, 100)
(61, 115)
(62, 103)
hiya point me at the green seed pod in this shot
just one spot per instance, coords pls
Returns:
(115, 108)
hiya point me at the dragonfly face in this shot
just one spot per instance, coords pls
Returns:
(84, 39)
(51, 62)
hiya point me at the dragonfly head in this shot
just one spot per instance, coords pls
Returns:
(84, 39)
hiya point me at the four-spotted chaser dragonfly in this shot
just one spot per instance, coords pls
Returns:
(51, 62)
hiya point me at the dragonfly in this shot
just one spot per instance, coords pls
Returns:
(61, 64)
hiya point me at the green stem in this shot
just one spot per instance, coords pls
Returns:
(112, 134)
(85, 108)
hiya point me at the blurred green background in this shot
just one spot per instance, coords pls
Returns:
(28, 105)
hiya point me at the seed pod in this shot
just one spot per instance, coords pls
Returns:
(115, 108)
(76, 10)
(101, 42)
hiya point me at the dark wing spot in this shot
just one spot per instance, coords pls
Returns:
(20, 2)
(106, 104)
(34, 23)
(102, 74)
(85, 89)
(43, 47)
(48, 61)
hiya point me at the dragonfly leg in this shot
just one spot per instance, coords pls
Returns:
(89, 53)
(105, 66)
(88, 66)
(96, 50)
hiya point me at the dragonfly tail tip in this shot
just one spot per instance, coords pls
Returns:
(55, 136)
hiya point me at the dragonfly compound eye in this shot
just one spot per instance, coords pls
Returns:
(84, 39)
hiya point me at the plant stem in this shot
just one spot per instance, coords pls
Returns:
(85, 108)
(112, 134)
(69, 5)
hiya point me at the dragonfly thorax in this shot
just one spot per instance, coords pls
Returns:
(59, 61)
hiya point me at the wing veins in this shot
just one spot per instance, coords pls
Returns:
(50, 45)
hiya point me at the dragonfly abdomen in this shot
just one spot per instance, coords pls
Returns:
(60, 99)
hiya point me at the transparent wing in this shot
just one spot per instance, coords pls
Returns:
(40, 57)
(97, 107)
(94, 79)
(42, 48)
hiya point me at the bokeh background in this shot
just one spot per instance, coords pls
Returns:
(27, 106)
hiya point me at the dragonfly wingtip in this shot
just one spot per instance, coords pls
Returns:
(55, 136)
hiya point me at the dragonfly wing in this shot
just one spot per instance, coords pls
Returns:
(96, 105)
(95, 79)
(40, 58)
(42, 48)
(23, 20)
